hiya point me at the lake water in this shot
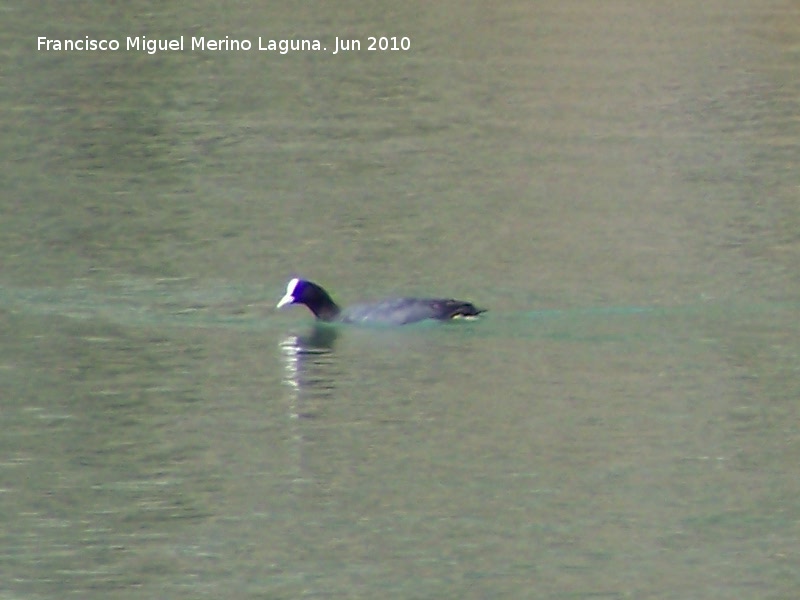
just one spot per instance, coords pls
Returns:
(616, 183)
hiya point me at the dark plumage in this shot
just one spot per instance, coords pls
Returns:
(394, 311)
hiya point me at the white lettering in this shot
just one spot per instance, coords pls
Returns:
(227, 44)
(154, 45)
(284, 46)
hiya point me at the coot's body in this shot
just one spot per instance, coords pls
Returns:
(393, 311)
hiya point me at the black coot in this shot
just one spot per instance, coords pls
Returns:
(394, 311)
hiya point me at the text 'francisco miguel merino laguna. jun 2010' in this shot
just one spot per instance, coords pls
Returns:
(201, 43)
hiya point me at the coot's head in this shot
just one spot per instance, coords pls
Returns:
(300, 291)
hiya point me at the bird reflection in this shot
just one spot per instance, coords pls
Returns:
(310, 372)
(308, 366)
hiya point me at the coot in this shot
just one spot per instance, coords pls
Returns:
(393, 311)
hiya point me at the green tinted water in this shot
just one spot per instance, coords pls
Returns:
(618, 185)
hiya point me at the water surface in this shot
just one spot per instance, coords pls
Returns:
(617, 184)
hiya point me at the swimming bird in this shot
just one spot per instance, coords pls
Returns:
(392, 311)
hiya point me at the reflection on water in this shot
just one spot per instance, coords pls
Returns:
(309, 373)
(309, 366)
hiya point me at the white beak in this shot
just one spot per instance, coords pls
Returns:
(287, 299)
